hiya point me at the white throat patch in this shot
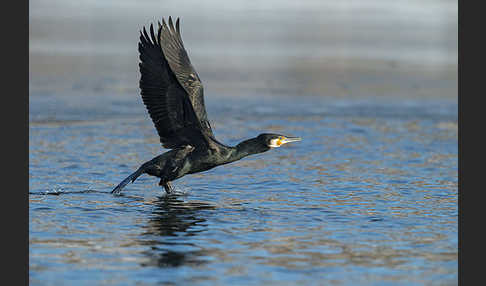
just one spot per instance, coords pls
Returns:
(274, 143)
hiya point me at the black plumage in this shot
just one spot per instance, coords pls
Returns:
(173, 95)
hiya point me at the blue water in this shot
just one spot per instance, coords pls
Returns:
(368, 197)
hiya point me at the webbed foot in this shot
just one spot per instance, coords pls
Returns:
(167, 186)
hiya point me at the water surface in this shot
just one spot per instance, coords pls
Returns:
(369, 195)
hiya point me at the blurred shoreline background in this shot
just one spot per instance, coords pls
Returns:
(344, 48)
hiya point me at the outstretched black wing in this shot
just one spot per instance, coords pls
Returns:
(166, 100)
(176, 56)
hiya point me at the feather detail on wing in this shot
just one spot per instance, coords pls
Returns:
(167, 102)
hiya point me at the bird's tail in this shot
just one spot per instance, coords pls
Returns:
(127, 180)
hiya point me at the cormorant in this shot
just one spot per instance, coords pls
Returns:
(173, 94)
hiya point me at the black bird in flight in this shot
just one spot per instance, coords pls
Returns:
(173, 94)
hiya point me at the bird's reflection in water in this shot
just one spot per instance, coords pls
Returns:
(172, 231)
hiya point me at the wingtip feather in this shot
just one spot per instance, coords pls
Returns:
(147, 38)
(152, 34)
(171, 24)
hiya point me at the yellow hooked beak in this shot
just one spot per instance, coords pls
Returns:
(284, 140)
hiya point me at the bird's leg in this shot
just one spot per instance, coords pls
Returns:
(167, 186)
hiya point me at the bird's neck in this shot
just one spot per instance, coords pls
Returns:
(246, 148)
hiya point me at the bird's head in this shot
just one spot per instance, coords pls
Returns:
(276, 140)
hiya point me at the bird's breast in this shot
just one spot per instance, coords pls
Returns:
(200, 163)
